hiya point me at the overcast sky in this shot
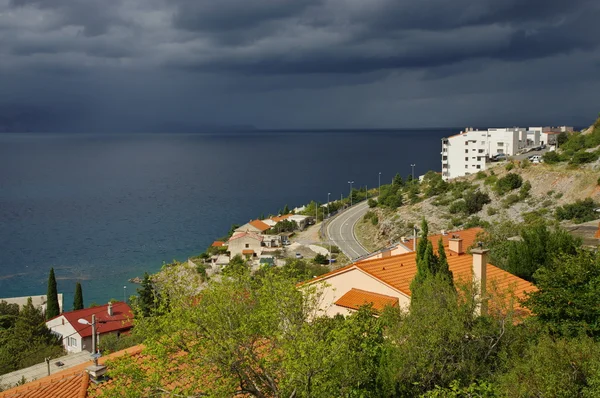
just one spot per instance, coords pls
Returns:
(147, 65)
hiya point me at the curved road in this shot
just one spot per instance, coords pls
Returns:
(341, 231)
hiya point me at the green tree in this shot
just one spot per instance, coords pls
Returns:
(52, 307)
(568, 299)
(554, 368)
(146, 301)
(397, 181)
(78, 300)
(286, 210)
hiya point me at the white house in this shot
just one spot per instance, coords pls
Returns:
(469, 151)
(386, 281)
(256, 226)
(113, 318)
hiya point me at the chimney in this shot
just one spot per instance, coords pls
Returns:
(480, 258)
(455, 244)
(110, 310)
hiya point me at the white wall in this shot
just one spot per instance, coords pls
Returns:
(237, 245)
(337, 285)
(64, 329)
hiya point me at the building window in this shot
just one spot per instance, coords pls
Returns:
(481, 151)
(466, 159)
(500, 143)
(466, 142)
(466, 151)
(72, 342)
(466, 166)
(478, 166)
(482, 142)
(247, 245)
(479, 158)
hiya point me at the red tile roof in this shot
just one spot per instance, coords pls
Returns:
(356, 298)
(218, 243)
(120, 320)
(281, 218)
(261, 226)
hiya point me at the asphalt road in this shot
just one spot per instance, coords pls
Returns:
(340, 231)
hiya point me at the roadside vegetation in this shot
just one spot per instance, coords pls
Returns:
(439, 347)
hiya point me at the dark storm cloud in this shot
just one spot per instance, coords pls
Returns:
(256, 61)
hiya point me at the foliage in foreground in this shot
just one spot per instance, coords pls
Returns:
(24, 338)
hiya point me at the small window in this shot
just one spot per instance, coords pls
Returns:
(478, 166)
(466, 151)
(466, 142)
(481, 151)
(466, 166)
(72, 342)
(247, 245)
(482, 142)
(500, 143)
(467, 159)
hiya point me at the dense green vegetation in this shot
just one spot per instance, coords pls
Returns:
(577, 148)
(24, 338)
(579, 212)
(78, 299)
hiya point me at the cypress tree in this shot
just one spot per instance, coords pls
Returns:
(443, 267)
(78, 300)
(146, 296)
(52, 307)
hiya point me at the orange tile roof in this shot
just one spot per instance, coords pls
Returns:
(70, 383)
(218, 243)
(261, 226)
(468, 236)
(356, 298)
(247, 251)
(399, 271)
(281, 218)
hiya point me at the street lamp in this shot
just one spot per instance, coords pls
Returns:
(328, 212)
(350, 182)
(379, 190)
(125, 294)
(413, 171)
(93, 325)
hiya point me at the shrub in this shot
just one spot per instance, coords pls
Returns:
(475, 221)
(510, 200)
(579, 212)
(550, 193)
(475, 201)
(581, 157)
(480, 175)
(490, 180)
(508, 183)
(456, 222)
(492, 211)
(524, 191)
(547, 203)
(372, 203)
(320, 259)
(509, 166)
(375, 220)
(368, 215)
(551, 157)
(525, 163)
(558, 195)
(460, 206)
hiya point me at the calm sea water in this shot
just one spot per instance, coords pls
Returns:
(101, 209)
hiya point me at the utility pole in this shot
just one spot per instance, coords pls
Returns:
(379, 189)
(413, 171)
(328, 212)
(350, 182)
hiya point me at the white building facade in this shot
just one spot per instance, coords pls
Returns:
(468, 152)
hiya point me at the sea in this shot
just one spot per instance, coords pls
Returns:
(103, 208)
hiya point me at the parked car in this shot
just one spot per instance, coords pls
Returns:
(536, 159)
(298, 255)
(498, 157)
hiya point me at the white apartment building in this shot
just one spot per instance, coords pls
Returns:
(469, 151)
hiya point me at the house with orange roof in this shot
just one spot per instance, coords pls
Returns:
(256, 226)
(247, 244)
(407, 245)
(386, 281)
(218, 243)
(112, 318)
